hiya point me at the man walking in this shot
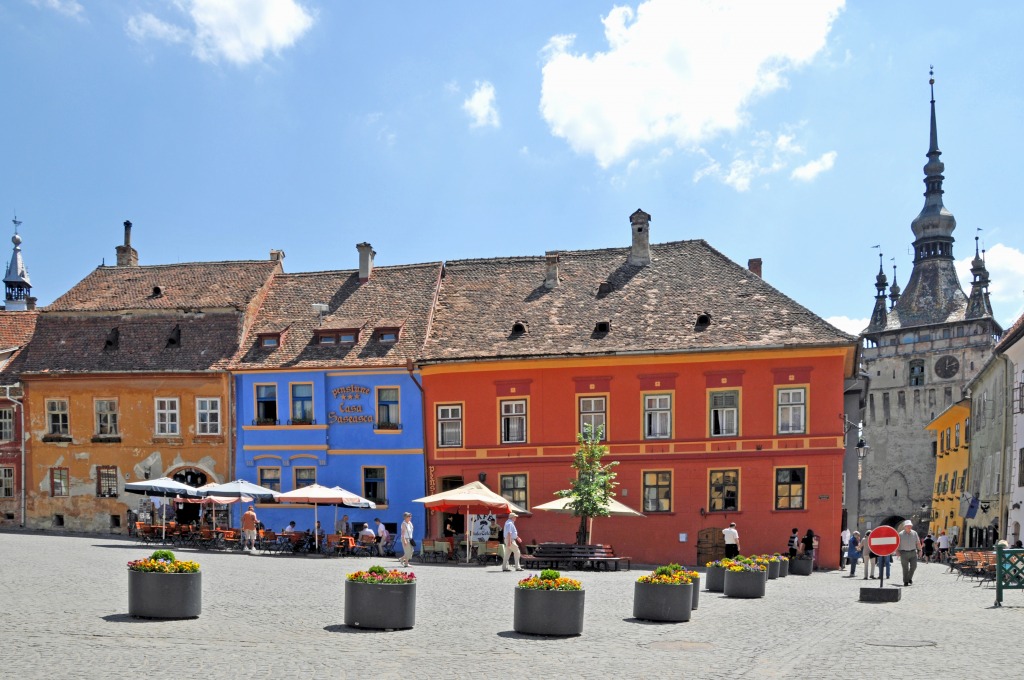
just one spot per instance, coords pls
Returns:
(732, 540)
(910, 547)
(512, 541)
(382, 537)
(408, 545)
(249, 530)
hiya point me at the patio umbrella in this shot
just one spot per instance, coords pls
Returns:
(615, 508)
(239, 488)
(321, 495)
(214, 501)
(164, 487)
(473, 498)
(356, 501)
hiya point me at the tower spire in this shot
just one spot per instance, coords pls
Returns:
(978, 305)
(879, 316)
(16, 282)
(894, 290)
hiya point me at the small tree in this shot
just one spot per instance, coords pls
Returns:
(592, 489)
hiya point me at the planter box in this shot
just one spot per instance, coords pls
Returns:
(716, 579)
(744, 584)
(783, 568)
(773, 570)
(659, 602)
(800, 567)
(548, 612)
(384, 606)
(152, 595)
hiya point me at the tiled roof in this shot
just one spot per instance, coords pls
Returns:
(194, 285)
(393, 297)
(1011, 336)
(16, 330)
(652, 307)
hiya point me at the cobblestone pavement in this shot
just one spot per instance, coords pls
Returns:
(65, 616)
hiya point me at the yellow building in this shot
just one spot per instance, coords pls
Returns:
(952, 430)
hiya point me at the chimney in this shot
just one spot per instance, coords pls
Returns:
(276, 255)
(30, 303)
(126, 255)
(640, 252)
(754, 265)
(366, 254)
(551, 274)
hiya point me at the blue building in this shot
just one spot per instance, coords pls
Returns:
(326, 391)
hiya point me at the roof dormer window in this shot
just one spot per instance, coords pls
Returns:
(389, 335)
(336, 336)
(269, 340)
(519, 328)
(602, 327)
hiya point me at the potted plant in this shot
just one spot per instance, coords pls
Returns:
(381, 599)
(716, 574)
(548, 604)
(783, 565)
(666, 594)
(774, 567)
(162, 587)
(694, 577)
(745, 578)
(803, 565)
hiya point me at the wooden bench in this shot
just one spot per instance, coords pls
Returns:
(572, 556)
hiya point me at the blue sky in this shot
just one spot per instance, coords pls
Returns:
(790, 131)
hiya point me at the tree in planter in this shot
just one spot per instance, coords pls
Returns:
(592, 489)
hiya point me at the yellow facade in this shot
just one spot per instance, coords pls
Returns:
(80, 458)
(952, 460)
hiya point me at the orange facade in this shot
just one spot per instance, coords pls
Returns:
(702, 440)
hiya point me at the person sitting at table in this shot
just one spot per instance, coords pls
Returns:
(290, 529)
(366, 535)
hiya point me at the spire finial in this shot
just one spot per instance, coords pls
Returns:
(931, 80)
(17, 223)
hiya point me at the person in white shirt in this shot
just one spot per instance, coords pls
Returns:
(943, 545)
(732, 540)
(405, 532)
(512, 541)
(382, 536)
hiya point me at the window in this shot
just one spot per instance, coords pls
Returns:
(791, 410)
(348, 337)
(304, 476)
(106, 481)
(593, 412)
(724, 490)
(956, 437)
(449, 425)
(657, 416)
(789, 488)
(57, 417)
(375, 485)
(167, 417)
(724, 411)
(657, 491)
(917, 372)
(266, 404)
(106, 417)
(387, 335)
(513, 488)
(208, 415)
(6, 424)
(963, 479)
(952, 482)
(326, 339)
(6, 482)
(302, 404)
(270, 341)
(387, 409)
(59, 481)
(513, 421)
(270, 477)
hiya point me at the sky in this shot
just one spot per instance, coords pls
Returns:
(793, 131)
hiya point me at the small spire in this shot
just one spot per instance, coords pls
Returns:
(933, 146)
(894, 290)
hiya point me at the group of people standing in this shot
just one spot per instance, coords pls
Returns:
(911, 548)
(806, 545)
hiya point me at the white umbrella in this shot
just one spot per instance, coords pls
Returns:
(214, 501)
(615, 508)
(239, 488)
(472, 498)
(322, 495)
(164, 487)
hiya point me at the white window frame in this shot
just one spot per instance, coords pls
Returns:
(64, 418)
(208, 415)
(167, 412)
(449, 419)
(789, 410)
(6, 424)
(106, 418)
(594, 412)
(7, 482)
(658, 416)
(513, 411)
(724, 411)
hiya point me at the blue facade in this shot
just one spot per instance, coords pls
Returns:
(359, 429)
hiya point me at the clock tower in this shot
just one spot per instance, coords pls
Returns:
(918, 355)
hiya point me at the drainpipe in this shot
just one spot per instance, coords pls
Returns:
(1005, 461)
(410, 366)
(21, 412)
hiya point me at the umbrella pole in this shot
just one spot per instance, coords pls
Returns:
(316, 534)
(465, 529)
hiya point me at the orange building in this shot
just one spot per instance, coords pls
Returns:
(718, 395)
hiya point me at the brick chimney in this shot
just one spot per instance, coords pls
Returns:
(640, 252)
(126, 255)
(551, 273)
(754, 265)
(366, 254)
(276, 255)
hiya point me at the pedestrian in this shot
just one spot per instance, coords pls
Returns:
(884, 562)
(408, 543)
(943, 544)
(382, 536)
(249, 530)
(814, 553)
(512, 541)
(844, 544)
(732, 540)
(853, 552)
(910, 547)
(929, 548)
(869, 556)
(342, 527)
(794, 543)
(807, 543)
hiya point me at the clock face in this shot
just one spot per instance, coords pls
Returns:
(947, 366)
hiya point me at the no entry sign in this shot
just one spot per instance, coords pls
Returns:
(883, 541)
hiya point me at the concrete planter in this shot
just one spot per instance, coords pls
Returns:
(659, 602)
(716, 579)
(773, 570)
(384, 606)
(153, 595)
(783, 568)
(696, 591)
(744, 584)
(548, 612)
(801, 567)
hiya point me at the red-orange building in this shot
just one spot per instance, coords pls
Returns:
(718, 395)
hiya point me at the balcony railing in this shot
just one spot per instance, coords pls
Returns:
(389, 426)
(266, 421)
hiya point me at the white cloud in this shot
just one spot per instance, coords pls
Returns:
(238, 31)
(808, 171)
(1005, 266)
(69, 8)
(676, 72)
(480, 106)
(845, 323)
(767, 155)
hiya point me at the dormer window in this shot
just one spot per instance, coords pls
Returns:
(348, 337)
(519, 328)
(327, 339)
(336, 336)
(389, 335)
(269, 340)
(703, 321)
(602, 327)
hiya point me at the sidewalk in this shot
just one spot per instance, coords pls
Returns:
(65, 602)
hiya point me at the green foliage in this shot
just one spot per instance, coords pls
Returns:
(377, 569)
(550, 574)
(664, 571)
(593, 488)
(675, 567)
(165, 555)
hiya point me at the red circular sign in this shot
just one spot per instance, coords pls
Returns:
(883, 541)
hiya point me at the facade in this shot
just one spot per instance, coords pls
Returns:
(126, 378)
(1012, 348)
(991, 442)
(921, 349)
(327, 392)
(717, 395)
(952, 448)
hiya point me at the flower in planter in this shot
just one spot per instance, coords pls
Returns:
(770, 558)
(549, 579)
(670, 575)
(724, 562)
(163, 562)
(751, 565)
(379, 575)
(781, 558)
